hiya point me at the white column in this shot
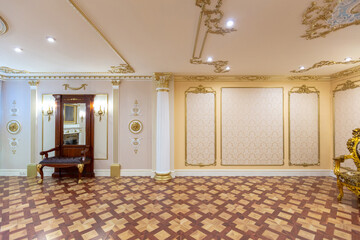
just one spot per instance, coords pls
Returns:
(115, 167)
(31, 169)
(162, 171)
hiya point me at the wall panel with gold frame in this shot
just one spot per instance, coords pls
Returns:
(346, 116)
(304, 124)
(101, 129)
(48, 123)
(252, 126)
(200, 126)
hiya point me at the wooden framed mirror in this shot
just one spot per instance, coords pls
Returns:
(74, 129)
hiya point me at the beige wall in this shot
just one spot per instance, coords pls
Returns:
(325, 122)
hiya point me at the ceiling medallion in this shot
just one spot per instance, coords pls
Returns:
(326, 16)
(325, 63)
(11, 70)
(3, 26)
(122, 68)
(209, 21)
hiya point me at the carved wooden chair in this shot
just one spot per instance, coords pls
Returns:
(63, 162)
(346, 176)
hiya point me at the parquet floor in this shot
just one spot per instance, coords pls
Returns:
(186, 208)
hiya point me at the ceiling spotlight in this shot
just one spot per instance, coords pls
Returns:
(230, 23)
(209, 59)
(301, 67)
(227, 68)
(348, 59)
(18, 50)
(51, 39)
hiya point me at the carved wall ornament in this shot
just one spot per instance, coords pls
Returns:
(345, 86)
(13, 127)
(3, 26)
(67, 86)
(304, 89)
(135, 126)
(162, 79)
(135, 111)
(135, 142)
(209, 23)
(82, 13)
(13, 142)
(122, 68)
(326, 16)
(14, 110)
(325, 63)
(11, 70)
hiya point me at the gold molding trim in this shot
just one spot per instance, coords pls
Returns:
(346, 86)
(248, 78)
(304, 90)
(210, 19)
(162, 177)
(122, 68)
(201, 78)
(317, 17)
(82, 13)
(162, 79)
(253, 78)
(3, 26)
(305, 78)
(34, 83)
(67, 86)
(200, 90)
(11, 70)
(325, 63)
(283, 128)
(347, 72)
(75, 77)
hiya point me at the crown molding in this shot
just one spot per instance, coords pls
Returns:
(249, 78)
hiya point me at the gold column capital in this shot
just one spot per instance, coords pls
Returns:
(34, 83)
(162, 79)
(115, 82)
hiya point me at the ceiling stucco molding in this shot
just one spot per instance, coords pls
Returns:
(4, 69)
(3, 26)
(324, 17)
(348, 73)
(123, 68)
(249, 78)
(324, 64)
(209, 23)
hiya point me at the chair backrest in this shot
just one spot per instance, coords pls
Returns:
(353, 145)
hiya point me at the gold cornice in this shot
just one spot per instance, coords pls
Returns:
(11, 70)
(325, 63)
(75, 77)
(3, 26)
(162, 79)
(79, 10)
(317, 18)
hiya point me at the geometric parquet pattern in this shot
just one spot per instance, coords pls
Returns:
(186, 208)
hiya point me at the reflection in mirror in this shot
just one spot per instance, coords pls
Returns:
(74, 124)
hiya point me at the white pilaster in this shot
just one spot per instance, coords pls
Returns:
(33, 124)
(162, 170)
(115, 167)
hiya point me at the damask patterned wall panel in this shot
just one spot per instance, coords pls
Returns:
(304, 126)
(347, 118)
(252, 126)
(200, 127)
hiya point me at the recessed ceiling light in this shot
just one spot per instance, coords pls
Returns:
(348, 59)
(51, 39)
(209, 59)
(301, 67)
(227, 68)
(18, 50)
(229, 23)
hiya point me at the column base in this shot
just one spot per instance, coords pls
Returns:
(115, 170)
(31, 170)
(162, 177)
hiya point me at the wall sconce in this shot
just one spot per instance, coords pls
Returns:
(48, 110)
(82, 116)
(98, 111)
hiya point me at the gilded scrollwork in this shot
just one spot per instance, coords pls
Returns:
(11, 70)
(122, 68)
(345, 86)
(326, 16)
(325, 63)
(306, 78)
(304, 89)
(220, 66)
(67, 86)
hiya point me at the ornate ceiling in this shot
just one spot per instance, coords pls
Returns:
(272, 38)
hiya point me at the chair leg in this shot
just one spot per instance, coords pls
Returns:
(39, 168)
(81, 168)
(341, 191)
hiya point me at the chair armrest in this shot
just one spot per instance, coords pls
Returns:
(84, 151)
(47, 152)
(338, 160)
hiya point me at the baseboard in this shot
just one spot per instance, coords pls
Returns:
(194, 172)
(253, 172)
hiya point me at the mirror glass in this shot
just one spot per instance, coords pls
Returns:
(74, 123)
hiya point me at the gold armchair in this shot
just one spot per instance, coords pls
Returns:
(349, 178)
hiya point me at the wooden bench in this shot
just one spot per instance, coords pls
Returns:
(63, 162)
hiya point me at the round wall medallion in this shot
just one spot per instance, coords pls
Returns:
(135, 126)
(13, 127)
